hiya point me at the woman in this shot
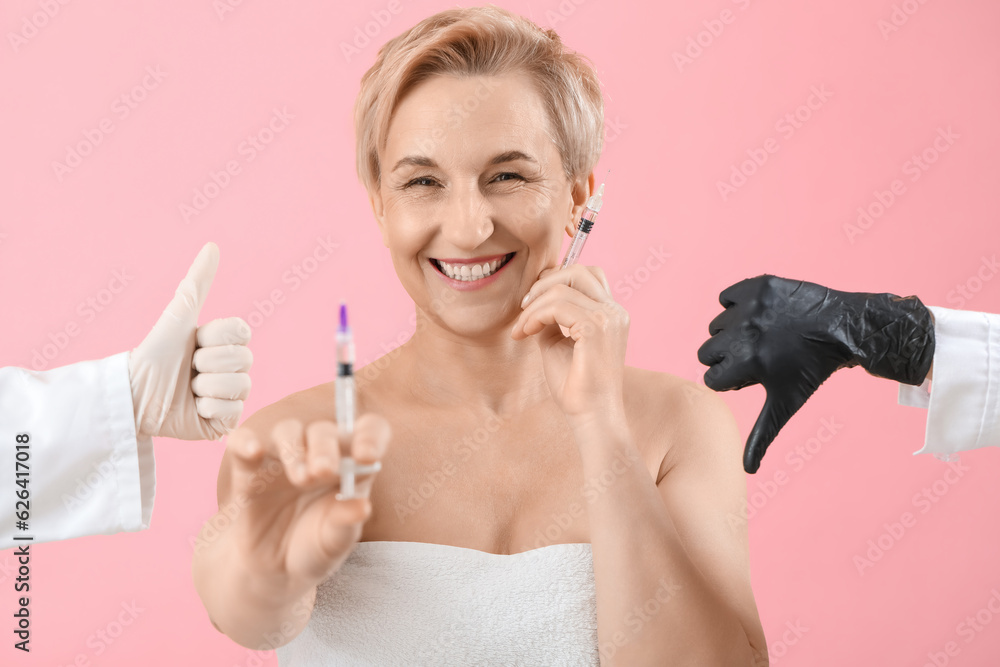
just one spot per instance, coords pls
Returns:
(521, 459)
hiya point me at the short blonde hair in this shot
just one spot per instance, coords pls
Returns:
(482, 41)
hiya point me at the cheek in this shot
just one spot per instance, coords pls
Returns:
(406, 228)
(535, 214)
(539, 219)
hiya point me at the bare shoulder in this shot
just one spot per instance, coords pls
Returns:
(685, 420)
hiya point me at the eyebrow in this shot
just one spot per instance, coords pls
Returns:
(424, 161)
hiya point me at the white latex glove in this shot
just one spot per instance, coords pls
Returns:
(189, 382)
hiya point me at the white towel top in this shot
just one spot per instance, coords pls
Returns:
(415, 603)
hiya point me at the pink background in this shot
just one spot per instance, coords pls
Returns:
(674, 132)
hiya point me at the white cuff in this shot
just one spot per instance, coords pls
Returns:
(135, 467)
(913, 396)
(963, 407)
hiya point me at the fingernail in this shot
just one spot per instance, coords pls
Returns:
(526, 299)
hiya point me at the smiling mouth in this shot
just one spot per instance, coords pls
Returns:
(467, 272)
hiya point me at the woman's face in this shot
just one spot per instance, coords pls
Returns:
(471, 176)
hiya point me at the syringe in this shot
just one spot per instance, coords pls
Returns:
(587, 221)
(346, 408)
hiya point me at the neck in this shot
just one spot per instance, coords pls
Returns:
(485, 372)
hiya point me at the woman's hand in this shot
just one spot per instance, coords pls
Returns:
(585, 367)
(291, 532)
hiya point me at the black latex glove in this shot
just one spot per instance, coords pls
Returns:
(790, 336)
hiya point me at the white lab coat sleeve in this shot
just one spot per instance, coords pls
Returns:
(963, 402)
(87, 473)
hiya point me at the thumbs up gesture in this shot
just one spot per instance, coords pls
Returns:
(189, 382)
(791, 335)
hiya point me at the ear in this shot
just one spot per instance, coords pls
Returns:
(581, 189)
(378, 208)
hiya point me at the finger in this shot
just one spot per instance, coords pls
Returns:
(245, 448)
(372, 434)
(227, 412)
(343, 514)
(731, 359)
(579, 277)
(601, 277)
(223, 359)
(737, 292)
(226, 386)
(730, 374)
(562, 305)
(322, 451)
(288, 445)
(247, 456)
(193, 289)
(723, 320)
(774, 415)
(224, 331)
(713, 350)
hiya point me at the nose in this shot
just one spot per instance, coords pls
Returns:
(467, 217)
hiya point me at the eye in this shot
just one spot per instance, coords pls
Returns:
(422, 180)
(500, 177)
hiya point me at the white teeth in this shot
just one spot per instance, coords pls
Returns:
(470, 272)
